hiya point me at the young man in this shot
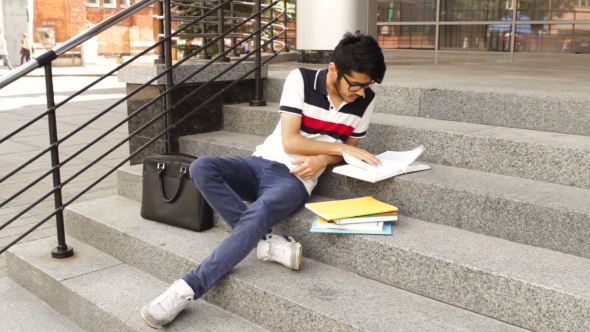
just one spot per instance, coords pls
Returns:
(323, 114)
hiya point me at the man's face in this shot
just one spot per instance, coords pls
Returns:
(354, 81)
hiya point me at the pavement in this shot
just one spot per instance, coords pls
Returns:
(559, 75)
(23, 100)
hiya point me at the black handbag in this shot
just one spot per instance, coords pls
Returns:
(169, 195)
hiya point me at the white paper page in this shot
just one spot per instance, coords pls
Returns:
(390, 160)
(398, 160)
(357, 162)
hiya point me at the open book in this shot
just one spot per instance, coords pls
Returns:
(392, 163)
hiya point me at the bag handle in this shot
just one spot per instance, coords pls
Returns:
(161, 167)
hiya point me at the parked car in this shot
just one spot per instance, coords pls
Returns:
(581, 46)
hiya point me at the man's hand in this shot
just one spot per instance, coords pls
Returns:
(361, 154)
(308, 166)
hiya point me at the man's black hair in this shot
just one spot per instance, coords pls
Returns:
(359, 53)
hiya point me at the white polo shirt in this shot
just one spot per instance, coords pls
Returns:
(305, 94)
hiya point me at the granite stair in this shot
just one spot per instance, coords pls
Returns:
(493, 238)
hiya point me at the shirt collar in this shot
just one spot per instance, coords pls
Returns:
(320, 82)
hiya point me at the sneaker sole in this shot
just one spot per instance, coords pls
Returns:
(299, 249)
(145, 315)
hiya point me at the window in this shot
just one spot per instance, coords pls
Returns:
(110, 4)
(92, 3)
(584, 3)
(124, 3)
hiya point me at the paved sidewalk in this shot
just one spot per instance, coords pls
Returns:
(68, 71)
(22, 101)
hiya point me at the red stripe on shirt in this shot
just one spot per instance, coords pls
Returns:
(325, 125)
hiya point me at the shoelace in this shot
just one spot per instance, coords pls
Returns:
(281, 250)
(170, 301)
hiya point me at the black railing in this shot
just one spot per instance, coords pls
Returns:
(228, 27)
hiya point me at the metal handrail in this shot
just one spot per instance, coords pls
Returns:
(63, 250)
(75, 131)
(40, 154)
(73, 42)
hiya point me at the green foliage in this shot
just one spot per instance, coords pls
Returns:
(539, 10)
(196, 9)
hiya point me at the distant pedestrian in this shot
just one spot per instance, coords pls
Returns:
(247, 47)
(25, 49)
(4, 52)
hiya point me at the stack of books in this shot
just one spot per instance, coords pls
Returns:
(364, 215)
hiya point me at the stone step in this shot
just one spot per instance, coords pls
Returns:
(101, 293)
(528, 154)
(530, 212)
(319, 297)
(515, 283)
(22, 311)
(561, 110)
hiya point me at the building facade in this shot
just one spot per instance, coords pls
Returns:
(523, 26)
(540, 26)
(51, 22)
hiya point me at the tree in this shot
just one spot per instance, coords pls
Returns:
(210, 25)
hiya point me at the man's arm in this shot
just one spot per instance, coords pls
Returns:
(317, 155)
(294, 143)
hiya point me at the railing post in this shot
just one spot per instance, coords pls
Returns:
(161, 51)
(168, 144)
(62, 250)
(234, 52)
(286, 49)
(220, 29)
(204, 54)
(513, 28)
(258, 98)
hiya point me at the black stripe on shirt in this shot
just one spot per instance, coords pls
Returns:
(313, 94)
(291, 110)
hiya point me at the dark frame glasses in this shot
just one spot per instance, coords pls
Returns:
(354, 87)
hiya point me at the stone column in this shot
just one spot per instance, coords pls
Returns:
(321, 25)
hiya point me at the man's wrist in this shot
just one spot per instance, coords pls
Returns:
(329, 159)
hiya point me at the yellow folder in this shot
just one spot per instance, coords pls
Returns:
(346, 208)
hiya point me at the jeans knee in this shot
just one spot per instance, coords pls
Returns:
(266, 215)
(201, 169)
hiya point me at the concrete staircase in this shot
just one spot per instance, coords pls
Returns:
(493, 238)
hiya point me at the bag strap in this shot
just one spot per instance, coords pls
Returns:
(160, 168)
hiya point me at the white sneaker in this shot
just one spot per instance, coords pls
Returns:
(167, 306)
(278, 249)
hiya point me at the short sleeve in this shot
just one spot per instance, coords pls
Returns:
(361, 129)
(293, 96)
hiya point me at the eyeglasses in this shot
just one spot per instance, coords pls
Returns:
(354, 87)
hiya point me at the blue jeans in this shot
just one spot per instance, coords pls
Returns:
(226, 182)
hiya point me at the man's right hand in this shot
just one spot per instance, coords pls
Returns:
(294, 143)
(361, 154)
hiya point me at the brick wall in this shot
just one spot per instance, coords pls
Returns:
(69, 17)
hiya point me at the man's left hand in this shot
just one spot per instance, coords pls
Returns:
(308, 166)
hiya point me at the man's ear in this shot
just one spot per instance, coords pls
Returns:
(332, 68)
